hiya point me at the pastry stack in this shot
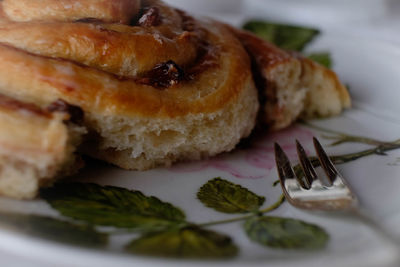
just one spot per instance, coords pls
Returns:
(138, 84)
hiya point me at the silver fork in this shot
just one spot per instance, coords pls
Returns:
(309, 191)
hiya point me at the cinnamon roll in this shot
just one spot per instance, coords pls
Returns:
(156, 85)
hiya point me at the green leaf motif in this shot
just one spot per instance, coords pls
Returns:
(54, 229)
(322, 58)
(189, 242)
(228, 197)
(112, 206)
(287, 37)
(285, 233)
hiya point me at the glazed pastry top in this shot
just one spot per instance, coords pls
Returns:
(119, 57)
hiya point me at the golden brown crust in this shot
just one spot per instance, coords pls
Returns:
(266, 54)
(97, 89)
(275, 71)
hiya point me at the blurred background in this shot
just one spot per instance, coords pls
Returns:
(379, 19)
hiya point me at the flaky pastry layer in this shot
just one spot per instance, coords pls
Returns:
(36, 147)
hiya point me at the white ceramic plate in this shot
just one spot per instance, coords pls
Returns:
(372, 70)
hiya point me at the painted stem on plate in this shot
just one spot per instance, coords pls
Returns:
(274, 206)
(380, 149)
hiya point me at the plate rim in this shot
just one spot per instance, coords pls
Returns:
(89, 256)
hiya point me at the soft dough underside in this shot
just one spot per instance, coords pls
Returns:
(146, 143)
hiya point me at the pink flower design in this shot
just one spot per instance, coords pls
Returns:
(222, 163)
(255, 162)
(262, 155)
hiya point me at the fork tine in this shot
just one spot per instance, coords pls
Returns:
(285, 170)
(326, 163)
(308, 169)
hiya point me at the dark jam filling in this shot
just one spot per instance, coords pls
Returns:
(167, 74)
(164, 75)
(76, 113)
(90, 20)
(13, 104)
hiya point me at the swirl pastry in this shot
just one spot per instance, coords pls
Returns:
(36, 145)
(155, 84)
(291, 85)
